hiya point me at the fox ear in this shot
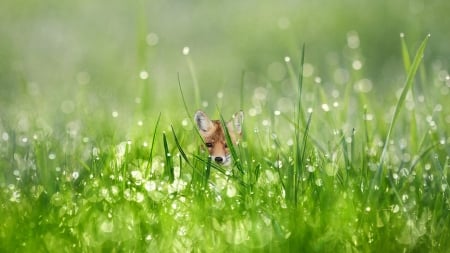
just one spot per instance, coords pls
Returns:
(203, 122)
(238, 119)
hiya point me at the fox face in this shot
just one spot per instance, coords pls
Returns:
(214, 135)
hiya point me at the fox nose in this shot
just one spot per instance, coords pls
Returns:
(218, 159)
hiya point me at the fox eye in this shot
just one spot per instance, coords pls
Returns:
(226, 145)
(209, 144)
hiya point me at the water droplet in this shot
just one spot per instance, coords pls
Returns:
(287, 59)
(150, 186)
(24, 139)
(140, 123)
(290, 142)
(115, 114)
(352, 39)
(356, 64)
(186, 50)
(143, 75)
(152, 39)
(51, 156)
(278, 164)
(75, 175)
(5, 136)
(182, 231)
(325, 107)
(231, 191)
(319, 182)
(363, 86)
(405, 197)
(310, 168)
(139, 197)
(15, 197)
(395, 208)
(367, 209)
(107, 226)
(136, 175)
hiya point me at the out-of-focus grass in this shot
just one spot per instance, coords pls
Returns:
(98, 151)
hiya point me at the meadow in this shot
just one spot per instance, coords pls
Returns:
(345, 145)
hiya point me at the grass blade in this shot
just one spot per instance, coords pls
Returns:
(405, 53)
(401, 101)
(233, 152)
(180, 149)
(168, 166)
(150, 156)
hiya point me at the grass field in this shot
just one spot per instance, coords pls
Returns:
(346, 130)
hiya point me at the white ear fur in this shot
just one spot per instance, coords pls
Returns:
(238, 119)
(203, 122)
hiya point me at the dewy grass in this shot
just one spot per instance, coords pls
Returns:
(299, 185)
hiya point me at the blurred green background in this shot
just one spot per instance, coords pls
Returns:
(65, 58)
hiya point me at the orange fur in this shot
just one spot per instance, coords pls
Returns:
(214, 136)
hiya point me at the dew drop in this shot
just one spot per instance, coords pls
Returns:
(395, 208)
(231, 191)
(107, 226)
(186, 50)
(51, 156)
(115, 114)
(139, 197)
(5, 136)
(325, 107)
(356, 64)
(152, 39)
(143, 75)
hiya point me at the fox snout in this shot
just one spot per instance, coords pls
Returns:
(214, 135)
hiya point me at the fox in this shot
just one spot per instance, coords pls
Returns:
(214, 138)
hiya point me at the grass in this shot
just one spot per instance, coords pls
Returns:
(333, 172)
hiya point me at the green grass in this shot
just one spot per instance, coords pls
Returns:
(342, 173)
(345, 145)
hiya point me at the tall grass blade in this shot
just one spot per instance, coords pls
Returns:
(231, 147)
(294, 175)
(194, 81)
(150, 156)
(184, 100)
(180, 149)
(168, 166)
(300, 164)
(405, 54)
(400, 103)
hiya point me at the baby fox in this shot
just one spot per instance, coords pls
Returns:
(214, 136)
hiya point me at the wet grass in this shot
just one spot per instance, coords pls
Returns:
(320, 170)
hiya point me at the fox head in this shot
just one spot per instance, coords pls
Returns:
(214, 135)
